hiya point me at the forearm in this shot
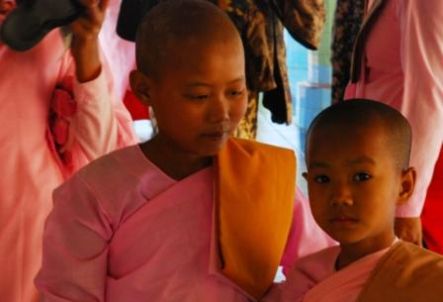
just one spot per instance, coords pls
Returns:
(98, 124)
(101, 123)
(85, 45)
(85, 52)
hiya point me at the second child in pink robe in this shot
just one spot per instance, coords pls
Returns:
(398, 60)
(358, 172)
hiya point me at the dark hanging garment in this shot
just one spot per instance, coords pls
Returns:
(349, 16)
(130, 15)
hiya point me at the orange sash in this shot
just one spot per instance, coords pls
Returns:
(406, 273)
(255, 190)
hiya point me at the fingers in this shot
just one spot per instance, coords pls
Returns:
(95, 9)
(91, 4)
(104, 5)
(6, 6)
(92, 18)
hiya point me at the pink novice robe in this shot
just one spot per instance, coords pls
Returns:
(403, 67)
(315, 279)
(135, 235)
(30, 167)
(402, 272)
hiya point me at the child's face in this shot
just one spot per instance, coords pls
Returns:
(200, 97)
(354, 184)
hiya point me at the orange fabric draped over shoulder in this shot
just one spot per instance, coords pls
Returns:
(255, 197)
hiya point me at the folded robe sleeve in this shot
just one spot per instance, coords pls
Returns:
(75, 246)
(100, 124)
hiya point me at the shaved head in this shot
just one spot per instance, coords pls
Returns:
(358, 113)
(173, 25)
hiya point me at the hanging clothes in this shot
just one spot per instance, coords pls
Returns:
(261, 25)
(348, 19)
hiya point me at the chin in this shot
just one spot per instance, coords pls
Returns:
(211, 151)
(346, 238)
(214, 147)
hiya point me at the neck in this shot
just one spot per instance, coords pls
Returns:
(352, 252)
(176, 163)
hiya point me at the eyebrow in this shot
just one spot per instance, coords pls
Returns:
(317, 164)
(358, 160)
(362, 160)
(199, 84)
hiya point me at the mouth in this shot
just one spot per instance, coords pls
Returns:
(215, 135)
(343, 220)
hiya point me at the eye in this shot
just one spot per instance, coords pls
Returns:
(236, 92)
(197, 97)
(361, 176)
(321, 179)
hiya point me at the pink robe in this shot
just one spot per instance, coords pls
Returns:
(402, 272)
(315, 279)
(150, 239)
(403, 67)
(30, 168)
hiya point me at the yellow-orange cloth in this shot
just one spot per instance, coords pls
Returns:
(406, 273)
(255, 190)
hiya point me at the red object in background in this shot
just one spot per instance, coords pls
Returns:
(135, 107)
(432, 216)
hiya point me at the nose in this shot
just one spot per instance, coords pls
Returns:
(218, 110)
(341, 194)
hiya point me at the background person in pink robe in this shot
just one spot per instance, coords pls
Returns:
(58, 113)
(399, 61)
(358, 172)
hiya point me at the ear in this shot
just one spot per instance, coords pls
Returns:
(141, 86)
(408, 178)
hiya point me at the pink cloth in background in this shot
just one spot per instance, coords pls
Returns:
(403, 67)
(135, 235)
(120, 53)
(31, 169)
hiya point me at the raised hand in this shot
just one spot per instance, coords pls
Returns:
(85, 30)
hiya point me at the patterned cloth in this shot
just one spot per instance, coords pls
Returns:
(349, 16)
(247, 128)
(261, 26)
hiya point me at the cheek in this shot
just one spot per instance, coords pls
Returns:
(319, 212)
(238, 109)
(318, 200)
